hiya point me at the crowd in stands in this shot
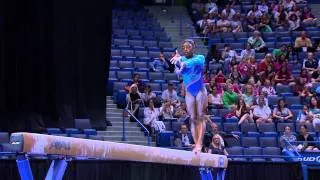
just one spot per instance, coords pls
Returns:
(244, 79)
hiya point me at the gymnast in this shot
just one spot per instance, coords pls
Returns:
(190, 67)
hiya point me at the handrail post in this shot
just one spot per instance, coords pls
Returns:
(123, 127)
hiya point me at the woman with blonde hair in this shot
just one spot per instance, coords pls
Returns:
(134, 100)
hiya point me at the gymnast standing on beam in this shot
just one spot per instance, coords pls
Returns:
(190, 67)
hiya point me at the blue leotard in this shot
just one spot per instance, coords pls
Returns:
(192, 73)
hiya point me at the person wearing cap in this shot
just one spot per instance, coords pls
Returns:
(190, 67)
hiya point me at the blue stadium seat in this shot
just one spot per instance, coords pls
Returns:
(273, 151)
(127, 52)
(112, 74)
(156, 75)
(170, 76)
(309, 126)
(127, 65)
(229, 40)
(270, 44)
(70, 131)
(54, 131)
(135, 42)
(293, 100)
(141, 53)
(269, 134)
(281, 126)
(268, 142)
(141, 66)
(90, 132)
(241, 35)
(133, 32)
(252, 151)
(248, 127)
(115, 52)
(164, 139)
(154, 54)
(127, 75)
(223, 112)
(237, 46)
(143, 75)
(155, 86)
(81, 136)
(253, 134)
(232, 120)
(120, 41)
(231, 142)
(164, 44)
(121, 97)
(229, 127)
(273, 100)
(267, 127)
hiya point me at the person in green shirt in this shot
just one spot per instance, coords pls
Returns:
(281, 51)
(229, 97)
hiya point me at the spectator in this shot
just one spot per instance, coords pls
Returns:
(213, 84)
(197, 8)
(232, 113)
(134, 100)
(301, 89)
(214, 99)
(183, 138)
(281, 19)
(151, 118)
(305, 76)
(269, 74)
(268, 89)
(248, 52)
(303, 43)
(170, 94)
(160, 65)
(243, 112)
(281, 61)
(262, 95)
(181, 112)
(255, 12)
(305, 136)
(228, 54)
(268, 60)
(295, 10)
(307, 17)
(224, 24)
(204, 22)
(213, 55)
(253, 63)
(211, 7)
(220, 78)
(288, 4)
(305, 115)
(315, 110)
(294, 23)
(229, 97)
(316, 76)
(216, 146)
(233, 65)
(228, 12)
(281, 113)
(248, 96)
(252, 23)
(182, 93)
(234, 86)
(263, 7)
(235, 76)
(214, 130)
(264, 25)
(284, 77)
(236, 24)
(287, 140)
(243, 67)
(136, 80)
(311, 64)
(148, 94)
(257, 42)
(166, 111)
(256, 86)
(262, 113)
(281, 51)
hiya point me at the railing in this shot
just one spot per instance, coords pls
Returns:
(140, 124)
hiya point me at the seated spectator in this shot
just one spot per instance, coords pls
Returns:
(134, 100)
(224, 24)
(229, 97)
(307, 17)
(197, 8)
(234, 86)
(305, 115)
(295, 10)
(315, 110)
(284, 77)
(211, 7)
(213, 56)
(311, 64)
(281, 61)
(303, 43)
(262, 112)
(170, 95)
(252, 74)
(236, 24)
(183, 138)
(292, 54)
(252, 23)
(243, 112)
(181, 112)
(213, 84)
(294, 23)
(210, 29)
(214, 99)
(264, 25)
(166, 110)
(301, 89)
(256, 86)
(220, 78)
(288, 4)
(243, 67)
(233, 65)
(268, 60)
(228, 12)
(248, 96)
(281, 113)
(264, 96)
(236, 77)
(305, 76)
(255, 12)
(227, 54)
(216, 146)
(269, 74)
(148, 94)
(182, 93)
(253, 64)
(268, 89)
(315, 77)
(136, 80)
(305, 136)
(151, 118)
(263, 7)
(281, 18)
(204, 22)
(257, 42)
(287, 140)
(160, 64)
(281, 51)
(247, 52)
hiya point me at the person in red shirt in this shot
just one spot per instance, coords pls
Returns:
(284, 77)
(268, 59)
(220, 78)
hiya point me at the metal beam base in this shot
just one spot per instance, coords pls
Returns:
(206, 174)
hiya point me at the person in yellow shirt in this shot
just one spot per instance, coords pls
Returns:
(303, 43)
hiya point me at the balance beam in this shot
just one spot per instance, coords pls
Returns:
(32, 143)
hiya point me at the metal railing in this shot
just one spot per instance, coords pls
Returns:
(140, 124)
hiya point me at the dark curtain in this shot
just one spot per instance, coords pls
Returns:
(54, 63)
(117, 170)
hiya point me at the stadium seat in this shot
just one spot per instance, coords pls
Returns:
(236, 151)
(281, 126)
(229, 127)
(223, 112)
(273, 151)
(82, 123)
(143, 75)
(231, 142)
(124, 75)
(54, 131)
(248, 127)
(164, 44)
(256, 151)
(170, 76)
(155, 75)
(268, 142)
(70, 131)
(141, 53)
(127, 52)
(309, 126)
(154, 54)
(135, 42)
(269, 134)
(155, 86)
(127, 65)
(267, 127)
(141, 66)
(81, 136)
(164, 139)
(90, 132)
(115, 52)
(273, 100)
(250, 142)
(253, 134)
(96, 137)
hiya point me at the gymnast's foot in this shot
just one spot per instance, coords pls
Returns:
(197, 149)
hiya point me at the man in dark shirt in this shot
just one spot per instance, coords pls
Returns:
(183, 138)
(311, 64)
